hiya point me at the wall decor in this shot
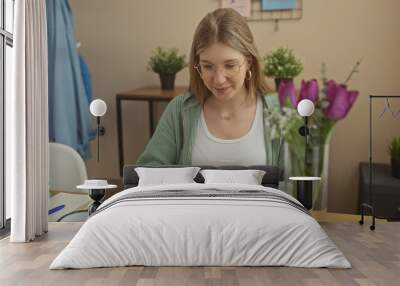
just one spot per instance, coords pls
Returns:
(266, 10)
(270, 5)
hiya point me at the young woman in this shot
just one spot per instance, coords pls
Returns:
(219, 121)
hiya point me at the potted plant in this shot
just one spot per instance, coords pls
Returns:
(166, 62)
(394, 151)
(282, 64)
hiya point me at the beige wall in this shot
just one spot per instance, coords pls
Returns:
(118, 36)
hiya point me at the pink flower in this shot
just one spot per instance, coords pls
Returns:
(287, 89)
(309, 90)
(340, 100)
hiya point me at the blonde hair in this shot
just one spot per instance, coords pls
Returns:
(228, 27)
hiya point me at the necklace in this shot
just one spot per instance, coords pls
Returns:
(226, 117)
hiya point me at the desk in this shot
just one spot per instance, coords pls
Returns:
(149, 94)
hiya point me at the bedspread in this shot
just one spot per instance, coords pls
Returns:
(201, 224)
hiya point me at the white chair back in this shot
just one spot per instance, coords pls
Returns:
(67, 169)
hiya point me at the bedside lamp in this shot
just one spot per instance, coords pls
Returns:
(304, 184)
(98, 108)
(305, 108)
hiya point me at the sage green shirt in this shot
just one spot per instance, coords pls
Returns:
(172, 141)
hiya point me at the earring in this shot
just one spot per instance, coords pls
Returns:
(248, 76)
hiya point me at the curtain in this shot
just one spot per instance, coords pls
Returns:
(69, 116)
(27, 123)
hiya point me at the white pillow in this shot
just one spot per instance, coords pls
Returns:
(248, 177)
(163, 176)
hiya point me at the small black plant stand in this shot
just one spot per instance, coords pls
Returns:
(96, 195)
(96, 192)
(304, 190)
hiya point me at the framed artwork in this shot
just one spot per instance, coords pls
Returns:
(273, 5)
(241, 6)
(266, 10)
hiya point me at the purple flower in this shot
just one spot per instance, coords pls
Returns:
(340, 100)
(287, 89)
(309, 90)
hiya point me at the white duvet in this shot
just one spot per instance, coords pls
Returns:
(200, 231)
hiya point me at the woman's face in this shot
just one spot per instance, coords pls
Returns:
(223, 70)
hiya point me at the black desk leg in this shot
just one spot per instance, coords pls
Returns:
(120, 137)
(304, 193)
(151, 118)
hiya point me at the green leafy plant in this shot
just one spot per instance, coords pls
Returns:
(166, 61)
(281, 63)
(394, 149)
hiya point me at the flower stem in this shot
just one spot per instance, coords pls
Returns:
(354, 70)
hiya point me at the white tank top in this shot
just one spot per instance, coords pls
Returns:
(246, 150)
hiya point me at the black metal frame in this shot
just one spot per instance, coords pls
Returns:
(119, 100)
(370, 204)
(6, 38)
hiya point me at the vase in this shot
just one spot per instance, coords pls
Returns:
(317, 166)
(167, 81)
(320, 195)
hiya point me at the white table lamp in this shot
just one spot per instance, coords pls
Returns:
(98, 108)
(305, 108)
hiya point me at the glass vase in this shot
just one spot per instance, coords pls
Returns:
(317, 165)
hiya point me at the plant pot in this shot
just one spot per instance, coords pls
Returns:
(167, 81)
(278, 82)
(395, 166)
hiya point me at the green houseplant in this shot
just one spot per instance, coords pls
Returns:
(282, 64)
(394, 151)
(167, 62)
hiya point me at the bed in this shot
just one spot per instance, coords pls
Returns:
(201, 224)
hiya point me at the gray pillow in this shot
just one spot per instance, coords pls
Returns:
(248, 177)
(163, 176)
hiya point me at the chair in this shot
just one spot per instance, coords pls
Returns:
(67, 170)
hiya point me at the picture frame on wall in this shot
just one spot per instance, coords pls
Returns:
(277, 5)
(241, 6)
(266, 10)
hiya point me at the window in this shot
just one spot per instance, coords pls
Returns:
(6, 60)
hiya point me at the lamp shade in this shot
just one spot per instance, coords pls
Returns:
(98, 107)
(305, 107)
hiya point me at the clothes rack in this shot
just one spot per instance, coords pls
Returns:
(370, 204)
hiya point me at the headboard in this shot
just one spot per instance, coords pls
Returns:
(270, 179)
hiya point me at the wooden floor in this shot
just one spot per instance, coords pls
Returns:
(374, 255)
